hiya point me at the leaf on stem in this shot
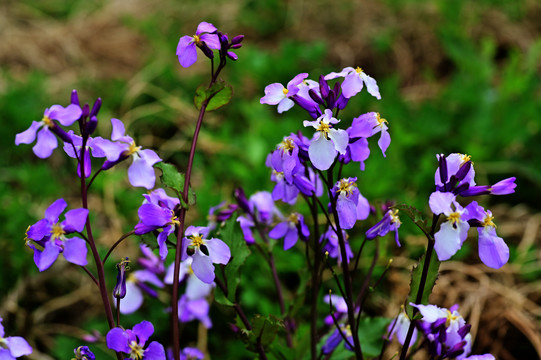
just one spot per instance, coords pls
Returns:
(264, 331)
(174, 180)
(416, 216)
(416, 275)
(218, 95)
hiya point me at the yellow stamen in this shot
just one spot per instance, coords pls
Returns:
(174, 219)
(394, 217)
(285, 91)
(487, 221)
(359, 70)
(294, 218)
(465, 158)
(380, 120)
(133, 148)
(57, 231)
(47, 121)
(136, 351)
(287, 145)
(346, 187)
(454, 217)
(450, 317)
(324, 128)
(197, 240)
(197, 40)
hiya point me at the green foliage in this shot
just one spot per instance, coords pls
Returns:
(416, 276)
(218, 95)
(174, 180)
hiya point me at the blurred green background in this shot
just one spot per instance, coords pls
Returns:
(455, 76)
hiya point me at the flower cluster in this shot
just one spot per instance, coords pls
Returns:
(455, 177)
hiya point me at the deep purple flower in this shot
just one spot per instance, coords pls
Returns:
(277, 94)
(455, 173)
(204, 36)
(48, 238)
(119, 291)
(188, 353)
(47, 126)
(141, 171)
(454, 231)
(503, 187)
(327, 141)
(354, 80)
(290, 229)
(132, 342)
(350, 204)
(158, 212)
(493, 251)
(390, 222)
(12, 347)
(138, 283)
(260, 207)
(336, 338)
(83, 353)
(204, 252)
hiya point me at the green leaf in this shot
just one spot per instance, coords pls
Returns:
(233, 237)
(264, 330)
(174, 180)
(416, 274)
(416, 216)
(218, 95)
(371, 332)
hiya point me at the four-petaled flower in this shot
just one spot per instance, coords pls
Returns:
(132, 342)
(354, 80)
(204, 252)
(277, 94)
(46, 139)
(327, 141)
(204, 35)
(48, 238)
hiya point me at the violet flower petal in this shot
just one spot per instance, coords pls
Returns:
(75, 251)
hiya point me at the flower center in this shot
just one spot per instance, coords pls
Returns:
(465, 158)
(197, 39)
(47, 121)
(57, 231)
(380, 120)
(293, 218)
(450, 318)
(174, 219)
(278, 174)
(324, 128)
(286, 145)
(454, 217)
(359, 70)
(197, 240)
(346, 187)
(133, 148)
(487, 221)
(136, 351)
(285, 91)
(394, 217)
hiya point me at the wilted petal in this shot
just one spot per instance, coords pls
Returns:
(384, 141)
(371, 86)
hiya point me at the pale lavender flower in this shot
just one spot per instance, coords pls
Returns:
(340, 306)
(48, 238)
(197, 309)
(389, 222)
(290, 229)
(137, 285)
(399, 327)
(205, 252)
(77, 143)
(368, 125)
(277, 94)
(132, 342)
(333, 245)
(327, 141)
(12, 347)
(350, 204)
(195, 288)
(454, 231)
(354, 80)
(47, 128)
(141, 171)
(205, 35)
(493, 251)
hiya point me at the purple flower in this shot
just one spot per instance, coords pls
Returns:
(260, 208)
(204, 36)
(137, 284)
(454, 231)
(327, 141)
(141, 171)
(289, 229)
(504, 187)
(12, 347)
(188, 353)
(335, 339)
(340, 306)
(195, 288)
(46, 139)
(119, 291)
(354, 80)
(132, 342)
(77, 143)
(48, 238)
(390, 222)
(197, 309)
(399, 327)
(493, 251)
(333, 245)
(204, 252)
(158, 212)
(350, 204)
(370, 124)
(455, 173)
(277, 94)
(83, 353)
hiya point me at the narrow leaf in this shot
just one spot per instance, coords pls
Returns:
(416, 275)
